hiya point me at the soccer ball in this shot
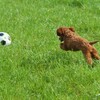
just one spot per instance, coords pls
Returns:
(5, 38)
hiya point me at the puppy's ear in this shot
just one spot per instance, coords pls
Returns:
(72, 29)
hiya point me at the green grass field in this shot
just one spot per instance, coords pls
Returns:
(34, 67)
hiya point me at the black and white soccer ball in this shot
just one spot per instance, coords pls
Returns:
(5, 38)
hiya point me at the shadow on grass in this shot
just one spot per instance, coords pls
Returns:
(76, 3)
(51, 59)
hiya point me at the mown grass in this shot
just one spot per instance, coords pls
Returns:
(34, 67)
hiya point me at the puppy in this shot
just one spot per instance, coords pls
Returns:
(72, 41)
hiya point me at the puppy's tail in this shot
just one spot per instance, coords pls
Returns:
(92, 43)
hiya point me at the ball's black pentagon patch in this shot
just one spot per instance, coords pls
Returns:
(1, 34)
(3, 42)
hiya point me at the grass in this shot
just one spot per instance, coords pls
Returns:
(34, 67)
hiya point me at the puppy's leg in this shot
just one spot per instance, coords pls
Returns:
(88, 57)
(95, 54)
(62, 46)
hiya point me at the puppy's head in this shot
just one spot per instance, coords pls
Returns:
(63, 32)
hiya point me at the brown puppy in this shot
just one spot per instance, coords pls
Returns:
(71, 41)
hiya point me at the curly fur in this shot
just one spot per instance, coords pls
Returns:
(72, 41)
